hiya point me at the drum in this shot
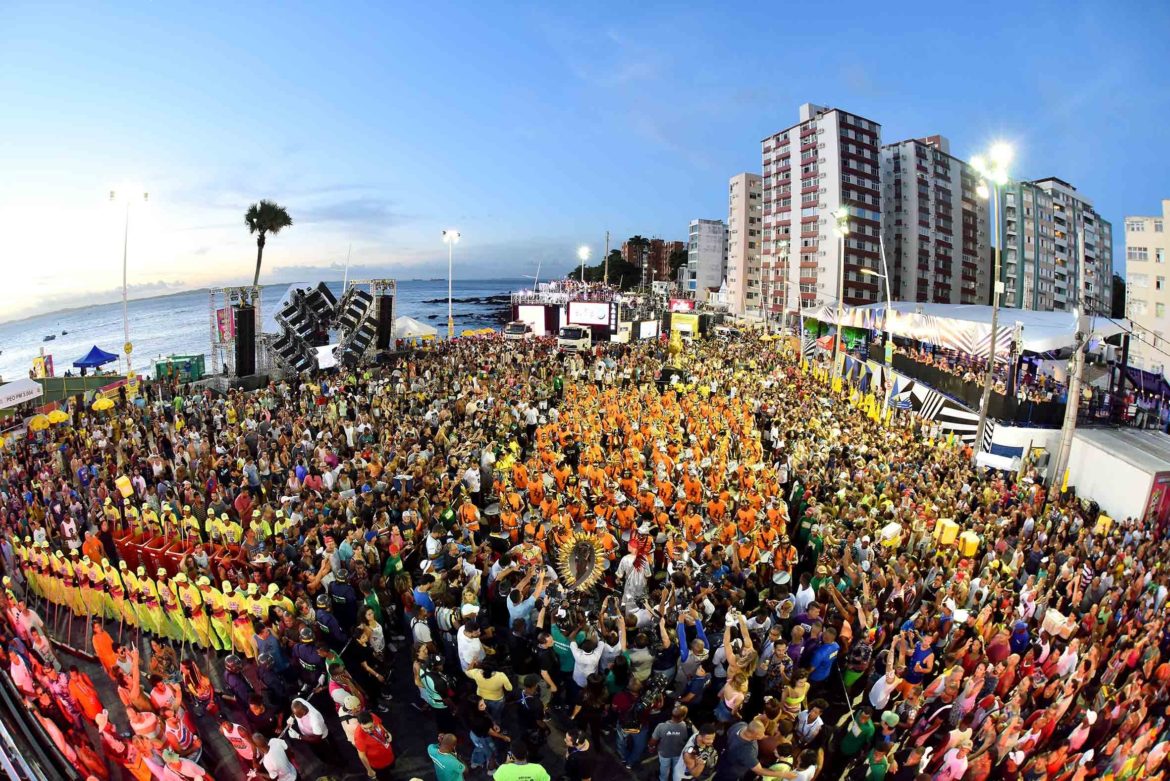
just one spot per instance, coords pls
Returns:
(781, 577)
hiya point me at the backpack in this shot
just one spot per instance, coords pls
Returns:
(440, 684)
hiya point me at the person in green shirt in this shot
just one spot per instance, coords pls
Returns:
(877, 765)
(858, 733)
(561, 647)
(518, 768)
(448, 766)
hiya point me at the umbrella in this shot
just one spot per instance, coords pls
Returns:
(38, 423)
(103, 404)
(58, 416)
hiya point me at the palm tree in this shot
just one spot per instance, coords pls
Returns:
(263, 218)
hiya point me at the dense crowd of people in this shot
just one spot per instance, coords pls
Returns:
(1031, 386)
(777, 585)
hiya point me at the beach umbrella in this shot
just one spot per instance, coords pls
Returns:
(59, 416)
(38, 423)
(103, 404)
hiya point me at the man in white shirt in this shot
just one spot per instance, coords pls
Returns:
(586, 658)
(467, 640)
(274, 758)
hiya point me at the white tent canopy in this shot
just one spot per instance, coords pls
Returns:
(967, 327)
(18, 392)
(409, 328)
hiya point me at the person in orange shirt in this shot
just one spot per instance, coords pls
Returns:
(468, 515)
(536, 492)
(103, 648)
(747, 553)
(625, 516)
(727, 533)
(692, 489)
(766, 537)
(510, 524)
(83, 690)
(646, 503)
(716, 509)
(692, 526)
(608, 542)
(746, 519)
(520, 476)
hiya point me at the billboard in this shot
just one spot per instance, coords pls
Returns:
(589, 312)
(534, 316)
(648, 329)
(682, 305)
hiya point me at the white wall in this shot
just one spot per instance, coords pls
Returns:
(1016, 436)
(1120, 488)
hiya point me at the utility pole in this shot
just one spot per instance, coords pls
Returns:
(605, 277)
(1076, 372)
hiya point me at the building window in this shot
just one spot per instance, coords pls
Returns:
(1158, 256)
(1159, 310)
(1140, 280)
(1135, 226)
(1157, 226)
(1137, 254)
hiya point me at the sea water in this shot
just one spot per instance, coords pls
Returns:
(179, 324)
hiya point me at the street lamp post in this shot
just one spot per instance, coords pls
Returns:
(994, 172)
(451, 238)
(582, 255)
(127, 196)
(842, 215)
(885, 276)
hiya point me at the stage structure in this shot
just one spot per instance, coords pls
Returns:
(223, 305)
(318, 331)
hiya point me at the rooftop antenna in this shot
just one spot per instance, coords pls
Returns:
(536, 278)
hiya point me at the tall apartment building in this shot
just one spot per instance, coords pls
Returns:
(744, 226)
(830, 159)
(1147, 293)
(935, 227)
(651, 256)
(706, 256)
(1044, 223)
(660, 252)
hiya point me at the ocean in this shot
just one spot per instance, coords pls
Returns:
(179, 324)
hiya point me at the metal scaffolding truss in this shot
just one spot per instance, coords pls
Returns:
(223, 337)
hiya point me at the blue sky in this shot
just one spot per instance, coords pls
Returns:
(532, 128)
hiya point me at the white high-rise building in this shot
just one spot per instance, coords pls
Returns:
(1043, 267)
(706, 256)
(1147, 289)
(828, 161)
(935, 226)
(743, 244)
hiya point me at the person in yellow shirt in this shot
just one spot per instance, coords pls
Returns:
(217, 528)
(151, 522)
(190, 524)
(132, 516)
(275, 598)
(198, 620)
(221, 622)
(238, 609)
(130, 595)
(150, 614)
(490, 684)
(174, 623)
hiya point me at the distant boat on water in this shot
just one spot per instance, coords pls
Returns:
(50, 337)
(63, 333)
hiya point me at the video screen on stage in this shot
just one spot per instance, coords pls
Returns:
(589, 312)
(534, 316)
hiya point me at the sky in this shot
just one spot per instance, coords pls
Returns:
(531, 128)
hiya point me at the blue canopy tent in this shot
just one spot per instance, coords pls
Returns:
(95, 358)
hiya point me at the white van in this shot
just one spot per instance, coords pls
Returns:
(577, 338)
(517, 331)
